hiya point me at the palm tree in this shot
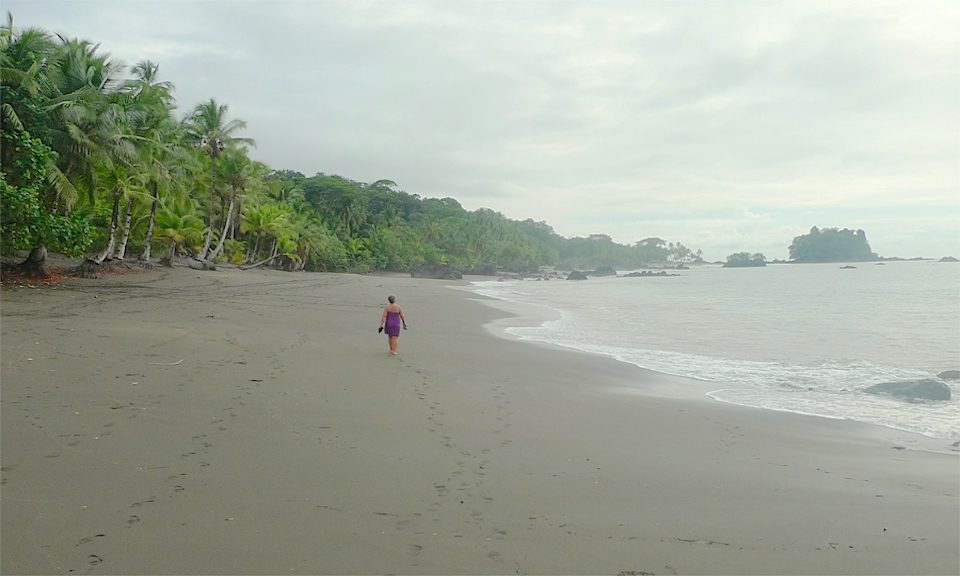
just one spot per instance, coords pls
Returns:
(155, 134)
(237, 170)
(86, 116)
(24, 55)
(27, 58)
(267, 221)
(177, 222)
(166, 164)
(121, 183)
(208, 128)
(65, 92)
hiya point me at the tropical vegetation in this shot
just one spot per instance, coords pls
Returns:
(832, 245)
(745, 260)
(97, 162)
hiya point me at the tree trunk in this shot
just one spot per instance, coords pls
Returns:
(206, 243)
(89, 268)
(256, 249)
(122, 250)
(223, 236)
(213, 195)
(145, 255)
(260, 263)
(236, 221)
(171, 254)
(36, 263)
(114, 219)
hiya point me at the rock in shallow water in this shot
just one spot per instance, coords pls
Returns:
(949, 375)
(926, 389)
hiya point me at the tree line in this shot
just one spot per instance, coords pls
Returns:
(819, 245)
(832, 245)
(95, 162)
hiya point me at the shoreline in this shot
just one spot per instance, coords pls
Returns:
(189, 422)
(522, 315)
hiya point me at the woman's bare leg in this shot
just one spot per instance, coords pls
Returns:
(393, 344)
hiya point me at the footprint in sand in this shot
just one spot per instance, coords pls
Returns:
(89, 539)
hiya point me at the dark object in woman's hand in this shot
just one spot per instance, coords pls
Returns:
(380, 329)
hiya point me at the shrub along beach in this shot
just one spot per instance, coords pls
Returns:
(182, 422)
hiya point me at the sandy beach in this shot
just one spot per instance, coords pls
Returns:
(253, 422)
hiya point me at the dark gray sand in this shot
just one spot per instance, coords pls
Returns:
(230, 422)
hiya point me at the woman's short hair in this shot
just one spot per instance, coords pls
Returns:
(391, 299)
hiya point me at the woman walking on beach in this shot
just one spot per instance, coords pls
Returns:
(390, 321)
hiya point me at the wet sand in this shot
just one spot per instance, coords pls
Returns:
(252, 422)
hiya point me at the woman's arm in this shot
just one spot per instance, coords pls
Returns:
(402, 319)
(383, 318)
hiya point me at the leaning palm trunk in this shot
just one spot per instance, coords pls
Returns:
(223, 236)
(171, 254)
(206, 243)
(213, 193)
(109, 251)
(260, 263)
(90, 268)
(254, 250)
(122, 249)
(145, 255)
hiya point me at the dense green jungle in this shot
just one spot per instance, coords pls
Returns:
(97, 163)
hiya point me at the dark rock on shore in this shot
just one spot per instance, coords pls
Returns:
(489, 270)
(195, 264)
(949, 375)
(576, 275)
(914, 390)
(436, 272)
(603, 271)
(948, 259)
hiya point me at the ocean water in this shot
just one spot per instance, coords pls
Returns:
(799, 338)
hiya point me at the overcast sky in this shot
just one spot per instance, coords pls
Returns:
(728, 126)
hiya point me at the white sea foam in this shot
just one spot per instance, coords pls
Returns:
(792, 352)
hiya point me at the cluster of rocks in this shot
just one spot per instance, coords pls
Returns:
(436, 272)
(925, 390)
(584, 274)
(541, 275)
(607, 271)
(447, 272)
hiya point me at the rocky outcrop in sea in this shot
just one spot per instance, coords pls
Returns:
(913, 390)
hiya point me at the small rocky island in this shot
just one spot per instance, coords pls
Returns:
(745, 260)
